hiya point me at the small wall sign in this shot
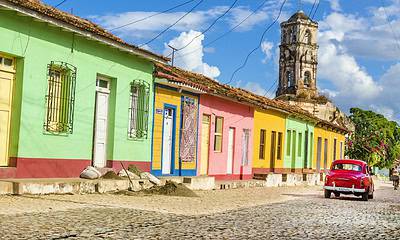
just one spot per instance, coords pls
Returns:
(159, 111)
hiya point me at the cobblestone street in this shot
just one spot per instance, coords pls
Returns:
(298, 213)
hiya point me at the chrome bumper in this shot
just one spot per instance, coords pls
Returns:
(344, 189)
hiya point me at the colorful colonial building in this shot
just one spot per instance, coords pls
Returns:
(298, 149)
(269, 137)
(175, 125)
(329, 145)
(72, 95)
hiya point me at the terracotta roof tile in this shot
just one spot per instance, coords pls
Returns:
(80, 23)
(213, 87)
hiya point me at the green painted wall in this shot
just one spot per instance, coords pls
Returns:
(35, 45)
(295, 155)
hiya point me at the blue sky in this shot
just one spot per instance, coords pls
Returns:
(359, 42)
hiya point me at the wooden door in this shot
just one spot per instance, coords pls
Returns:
(7, 76)
(231, 150)
(306, 150)
(167, 145)
(319, 153)
(101, 123)
(273, 149)
(326, 154)
(205, 144)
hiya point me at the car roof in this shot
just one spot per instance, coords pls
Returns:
(353, 161)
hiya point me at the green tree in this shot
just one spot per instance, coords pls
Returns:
(375, 140)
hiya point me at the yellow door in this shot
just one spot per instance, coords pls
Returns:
(205, 144)
(6, 89)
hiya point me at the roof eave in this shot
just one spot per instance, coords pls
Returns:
(86, 34)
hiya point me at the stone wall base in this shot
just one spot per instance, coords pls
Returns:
(293, 179)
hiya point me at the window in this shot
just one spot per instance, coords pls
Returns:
(284, 37)
(347, 167)
(289, 78)
(293, 35)
(245, 147)
(294, 144)
(7, 62)
(279, 148)
(334, 148)
(60, 97)
(262, 144)
(300, 144)
(288, 142)
(307, 37)
(139, 110)
(219, 121)
(307, 79)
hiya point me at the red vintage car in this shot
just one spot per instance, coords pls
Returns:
(349, 177)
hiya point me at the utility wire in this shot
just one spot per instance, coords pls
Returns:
(150, 16)
(312, 8)
(316, 9)
(62, 2)
(209, 27)
(227, 32)
(269, 89)
(170, 26)
(396, 38)
(259, 44)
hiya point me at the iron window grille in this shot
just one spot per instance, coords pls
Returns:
(139, 110)
(60, 98)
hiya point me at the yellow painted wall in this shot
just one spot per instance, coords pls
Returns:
(330, 135)
(270, 121)
(167, 96)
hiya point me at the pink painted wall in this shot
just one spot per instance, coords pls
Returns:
(237, 116)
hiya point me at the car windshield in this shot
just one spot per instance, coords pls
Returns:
(347, 166)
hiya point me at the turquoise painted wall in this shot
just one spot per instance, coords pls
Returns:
(295, 155)
(35, 45)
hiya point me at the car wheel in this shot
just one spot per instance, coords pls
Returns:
(371, 196)
(327, 194)
(364, 196)
(337, 194)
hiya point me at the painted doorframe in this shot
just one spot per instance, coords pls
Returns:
(208, 146)
(233, 149)
(273, 150)
(105, 91)
(9, 70)
(319, 154)
(173, 107)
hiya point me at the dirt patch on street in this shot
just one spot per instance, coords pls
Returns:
(172, 189)
(112, 175)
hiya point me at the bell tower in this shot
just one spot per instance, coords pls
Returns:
(298, 58)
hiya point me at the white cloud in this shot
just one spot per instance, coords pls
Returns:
(328, 92)
(390, 97)
(384, 110)
(338, 66)
(257, 89)
(335, 5)
(352, 85)
(266, 48)
(144, 29)
(240, 13)
(196, 20)
(191, 57)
